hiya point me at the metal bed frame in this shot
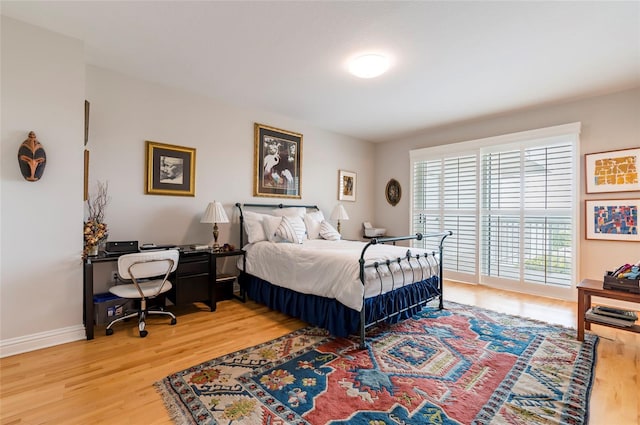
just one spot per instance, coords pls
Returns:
(379, 266)
(408, 256)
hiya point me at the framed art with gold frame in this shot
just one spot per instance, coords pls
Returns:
(277, 158)
(171, 170)
(86, 174)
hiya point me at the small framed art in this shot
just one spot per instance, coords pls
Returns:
(277, 157)
(346, 185)
(171, 170)
(612, 219)
(613, 171)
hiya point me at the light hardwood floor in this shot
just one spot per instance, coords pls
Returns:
(110, 379)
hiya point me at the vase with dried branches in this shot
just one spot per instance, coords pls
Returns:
(95, 229)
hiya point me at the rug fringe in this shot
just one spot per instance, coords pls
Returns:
(175, 412)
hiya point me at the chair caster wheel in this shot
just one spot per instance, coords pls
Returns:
(143, 334)
(109, 332)
(173, 321)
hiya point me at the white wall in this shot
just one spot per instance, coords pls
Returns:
(43, 89)
(125, 112)
(608, 122)
(40, 273)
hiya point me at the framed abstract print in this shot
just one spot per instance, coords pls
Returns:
(171, 170)
(613, 171)
(277, 158)
(612, 219)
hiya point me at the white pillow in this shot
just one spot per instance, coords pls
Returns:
(271, 224)
(291, 229)
(290, 212)
(328, 232)
(312, 222)
(253, 226)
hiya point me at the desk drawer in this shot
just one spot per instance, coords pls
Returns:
(190, 289)
(193, 267)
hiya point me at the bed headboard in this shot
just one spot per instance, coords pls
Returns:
(271, 206)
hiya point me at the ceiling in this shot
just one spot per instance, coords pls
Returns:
(451, 61)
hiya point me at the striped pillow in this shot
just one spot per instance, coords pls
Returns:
(328, 232)
(291, 229)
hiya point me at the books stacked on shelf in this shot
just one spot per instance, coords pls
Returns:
(612, 316)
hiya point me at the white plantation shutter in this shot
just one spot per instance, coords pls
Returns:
(510, 201)
(426, 197)
(445, 198)
(526, 214)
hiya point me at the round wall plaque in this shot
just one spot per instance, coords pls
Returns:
(393, 192)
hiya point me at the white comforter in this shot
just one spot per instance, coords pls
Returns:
(331, 268)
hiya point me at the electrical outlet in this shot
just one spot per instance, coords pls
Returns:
(114, 276)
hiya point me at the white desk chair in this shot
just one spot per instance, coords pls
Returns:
(148, 273)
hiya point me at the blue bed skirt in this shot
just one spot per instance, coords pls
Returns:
(330, 314)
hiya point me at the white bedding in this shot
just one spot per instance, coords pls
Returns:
(331, 268)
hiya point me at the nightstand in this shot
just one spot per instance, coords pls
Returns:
(223, 288)
(194, 278)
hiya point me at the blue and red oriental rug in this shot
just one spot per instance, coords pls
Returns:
(461, 365)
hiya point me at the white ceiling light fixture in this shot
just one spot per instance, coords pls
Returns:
(369, 65)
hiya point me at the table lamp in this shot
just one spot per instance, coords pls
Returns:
(339, 213)
(215, 214)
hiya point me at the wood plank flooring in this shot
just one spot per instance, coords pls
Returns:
(110, 379)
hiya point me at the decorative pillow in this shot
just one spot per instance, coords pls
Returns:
(253, 226)
(291, 229)
(328, 232)
(270, 224)
(290, 212)
(312, 222)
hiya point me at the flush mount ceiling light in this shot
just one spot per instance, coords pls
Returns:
(369, 65)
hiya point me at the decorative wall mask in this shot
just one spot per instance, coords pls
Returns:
(32, 158)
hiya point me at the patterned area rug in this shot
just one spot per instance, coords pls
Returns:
(461, 365)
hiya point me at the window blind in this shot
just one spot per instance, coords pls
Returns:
(511, 203)
(526, 214)
(445, 198)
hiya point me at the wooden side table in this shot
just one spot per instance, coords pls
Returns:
(224, 282)
(594, 288)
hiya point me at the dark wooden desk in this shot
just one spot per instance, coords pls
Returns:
(88, 312)
(594, 288)
(193, 281)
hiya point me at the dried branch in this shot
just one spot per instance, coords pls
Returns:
(99, 203)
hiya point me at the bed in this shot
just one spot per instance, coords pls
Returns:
(297, 263)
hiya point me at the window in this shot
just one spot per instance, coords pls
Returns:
(510, 202)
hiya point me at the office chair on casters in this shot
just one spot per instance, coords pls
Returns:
(148, 273)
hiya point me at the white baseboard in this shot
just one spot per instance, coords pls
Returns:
(40, 340)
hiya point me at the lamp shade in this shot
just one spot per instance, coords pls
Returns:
(339, 213)
(214, 214)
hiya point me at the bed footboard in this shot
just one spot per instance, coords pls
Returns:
(411, 268)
